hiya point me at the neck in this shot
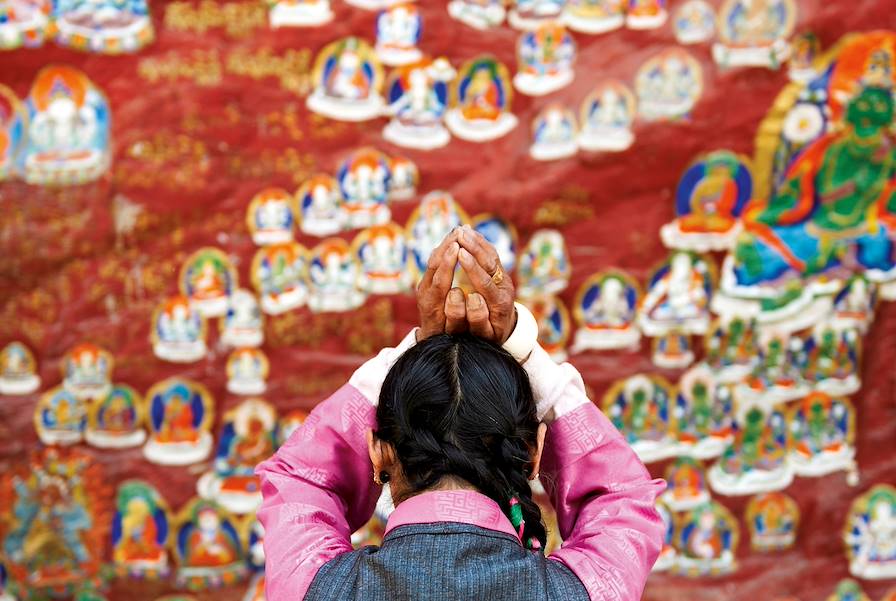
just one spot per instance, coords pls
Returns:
(401, 493)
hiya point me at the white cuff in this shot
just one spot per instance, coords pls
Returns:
(558, 389)
(524, 337)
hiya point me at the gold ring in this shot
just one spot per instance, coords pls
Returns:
(498, 277)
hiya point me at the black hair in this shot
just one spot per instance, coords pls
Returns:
(460, 406)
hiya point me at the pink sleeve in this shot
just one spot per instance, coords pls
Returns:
(318, 487)
(603, 494)
(317, 490)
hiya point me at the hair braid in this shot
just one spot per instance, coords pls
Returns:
(458, 406)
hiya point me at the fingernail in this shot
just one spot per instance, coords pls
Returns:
(456, 295)
(475, 300)
(464, 255)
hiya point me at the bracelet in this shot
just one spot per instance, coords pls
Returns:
(524, 336)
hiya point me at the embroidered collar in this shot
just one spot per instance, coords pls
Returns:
(462, 506)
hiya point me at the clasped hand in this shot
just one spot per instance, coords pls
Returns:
(487, 311)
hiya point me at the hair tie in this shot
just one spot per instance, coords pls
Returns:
(518, 522)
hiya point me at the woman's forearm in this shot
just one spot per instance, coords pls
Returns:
(318, 487)
(602, 493)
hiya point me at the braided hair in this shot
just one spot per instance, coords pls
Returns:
(457, 406)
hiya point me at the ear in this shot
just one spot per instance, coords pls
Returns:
(539, 447)
(382, 454)
(375, 450)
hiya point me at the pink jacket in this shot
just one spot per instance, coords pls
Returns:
(318, 488)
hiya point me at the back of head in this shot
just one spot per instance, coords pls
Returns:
(456, 406)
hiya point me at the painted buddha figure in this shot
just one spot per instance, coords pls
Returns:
(139, 535)
(610, 111)
(757, 446)
(612, 308)
(482, 96)
(699, 417)
(820, 426)
(419, 102)
(831, 355)
(686, 481)
(678, 296)
(882, 528)
(118, 413)
(177, 422)
(208, 545)
(65, 123)
(706, 541)
(643, 412)
(177, 323)
(756, 22)
(731, 345)
(712, 202)
(836, 200)
(347, 80)
(383, 253)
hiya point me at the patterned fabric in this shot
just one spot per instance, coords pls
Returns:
(445, 561)
(318, 489)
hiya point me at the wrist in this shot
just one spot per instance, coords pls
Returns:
(524, 336)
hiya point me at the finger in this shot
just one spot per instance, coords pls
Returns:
(444, 273)
(478, 317)
(455, 311)
(435, 258)
(482, 281)
(481, 249)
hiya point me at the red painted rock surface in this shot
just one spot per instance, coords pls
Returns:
(191, 154)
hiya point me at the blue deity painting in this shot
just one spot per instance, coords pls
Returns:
(481, 97)
(364, 181)
(500, 234)
(868, 534)
(641, 409)
(116, 420)
(756, 460)
(248, 437)
(178, 333)
(705, 411)
(831, 205)
(180, 415)
(60, 417)
(398, 31)
(208, 547)
(140, 528)
(822, 435)
(707, 540)
(176, 408)
(554, 134)
(347, 80)
(68, 129)
(678, 296)
(832, 360)
(772, 519)
(710, 198)
(418, 97)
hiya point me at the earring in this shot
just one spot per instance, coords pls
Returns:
(381, 477)
(534, 476)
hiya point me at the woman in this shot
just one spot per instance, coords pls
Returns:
(458, 427)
